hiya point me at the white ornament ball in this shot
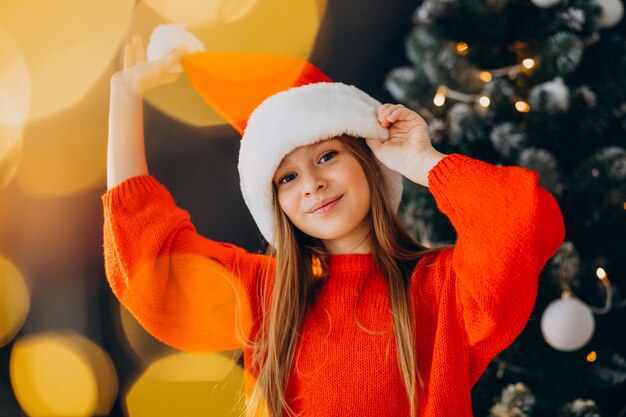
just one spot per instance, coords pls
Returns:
(612, 12)
(567, 324)
(544, 4)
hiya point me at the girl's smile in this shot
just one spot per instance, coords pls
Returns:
(325, 205)
(324, 192)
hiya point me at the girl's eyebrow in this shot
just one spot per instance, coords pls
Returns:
(286, 160)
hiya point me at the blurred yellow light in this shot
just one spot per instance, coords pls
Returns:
(15, 78)
(64, 154)
(528, 63)
(592, 356)
(11, 128)
(143, 345)
(14, 301)
(237, 25)
(462, 48)
(209, 322)
(439, 99)
(485, 76)
(70, 49)
(197, 12)
(624, 205)
(484, 101)
(522, 106)
(184, 366)
(601, 273)
(188, 384)
(62, 375)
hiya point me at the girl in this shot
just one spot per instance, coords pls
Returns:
(346, 314)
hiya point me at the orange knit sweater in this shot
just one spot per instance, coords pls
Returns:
(471, 301)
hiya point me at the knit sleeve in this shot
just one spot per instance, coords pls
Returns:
(190, 292)
(508, 226)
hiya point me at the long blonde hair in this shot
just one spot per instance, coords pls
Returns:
(298, 257)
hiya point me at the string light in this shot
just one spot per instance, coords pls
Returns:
(592, 356)
(606, 283)
(602, 276)
(440, 97)
(528, 63)
(484, 101)
(485, 76)
(462, 48)
(522, 106)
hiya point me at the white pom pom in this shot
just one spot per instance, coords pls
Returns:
(166, 38)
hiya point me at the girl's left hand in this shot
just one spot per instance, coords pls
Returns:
(408, 142)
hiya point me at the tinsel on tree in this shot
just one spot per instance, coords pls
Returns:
(539, 84)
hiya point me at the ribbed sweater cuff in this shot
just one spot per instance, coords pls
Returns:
(445, 169)
(129, 189)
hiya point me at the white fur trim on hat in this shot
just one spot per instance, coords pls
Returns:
(297, 117)
(165, 38)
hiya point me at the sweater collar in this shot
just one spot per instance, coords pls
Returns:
(352, 262)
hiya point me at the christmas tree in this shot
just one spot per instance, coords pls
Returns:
(539, 84)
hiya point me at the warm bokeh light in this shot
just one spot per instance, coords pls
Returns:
(198, 12)
(14, 301)
(601, 273)
(14, 73)
(484, 101)
(11, 129)
(62, 375)
(270, 26)
(462, 48)
(73, 44)
(185, 366)
(212, 308)
(141, 344)
(485, 76)
(186, 384)
(528, 63)
(592, 356)
(65, 154)
(522, 106)
(440, 97)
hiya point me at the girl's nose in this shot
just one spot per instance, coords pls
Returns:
(313, 183)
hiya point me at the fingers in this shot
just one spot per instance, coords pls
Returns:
(374, 144)
(391, 113)
(170, 62)
(129, 56)
(175, 56)
(140, 52)
(134, 52)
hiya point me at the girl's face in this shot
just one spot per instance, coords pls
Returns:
(324, 192)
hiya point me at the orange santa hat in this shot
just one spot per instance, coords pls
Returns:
(277, 103)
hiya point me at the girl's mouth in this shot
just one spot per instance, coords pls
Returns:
(326, 207)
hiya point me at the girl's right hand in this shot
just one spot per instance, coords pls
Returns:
(139, 75)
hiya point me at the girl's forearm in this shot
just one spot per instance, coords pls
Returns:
(126, 154)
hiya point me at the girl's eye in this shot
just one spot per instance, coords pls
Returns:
(286, 178)
(328, 156)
